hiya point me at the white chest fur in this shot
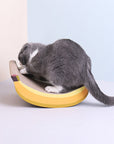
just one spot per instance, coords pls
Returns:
(33, 54)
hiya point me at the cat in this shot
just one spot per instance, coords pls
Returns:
(64, 64)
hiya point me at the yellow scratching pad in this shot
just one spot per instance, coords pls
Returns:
(35, 94)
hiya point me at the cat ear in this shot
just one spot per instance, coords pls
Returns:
(26, 46)
(23, 55)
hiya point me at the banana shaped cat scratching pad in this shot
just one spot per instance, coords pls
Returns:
(35, 94)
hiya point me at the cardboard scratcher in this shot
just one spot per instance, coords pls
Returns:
(34, 93)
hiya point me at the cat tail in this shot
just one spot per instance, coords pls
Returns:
(94, 89)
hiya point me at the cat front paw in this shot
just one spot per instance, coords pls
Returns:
(23, 71)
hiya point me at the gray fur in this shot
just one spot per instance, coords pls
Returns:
(62, 63)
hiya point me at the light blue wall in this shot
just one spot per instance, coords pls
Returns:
(88, 22)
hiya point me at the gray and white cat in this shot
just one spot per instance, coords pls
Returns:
(64, 64)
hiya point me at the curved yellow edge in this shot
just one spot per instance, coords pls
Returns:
(51, 100)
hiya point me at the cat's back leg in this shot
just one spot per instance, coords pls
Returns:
(54, 89)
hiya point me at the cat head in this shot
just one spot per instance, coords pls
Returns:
(24, 53)
(28, 51)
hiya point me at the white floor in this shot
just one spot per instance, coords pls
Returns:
(87, 123)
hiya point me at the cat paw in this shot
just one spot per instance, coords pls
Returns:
(23, 71)
(53, 89)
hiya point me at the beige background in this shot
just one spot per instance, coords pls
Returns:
(13, 32)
